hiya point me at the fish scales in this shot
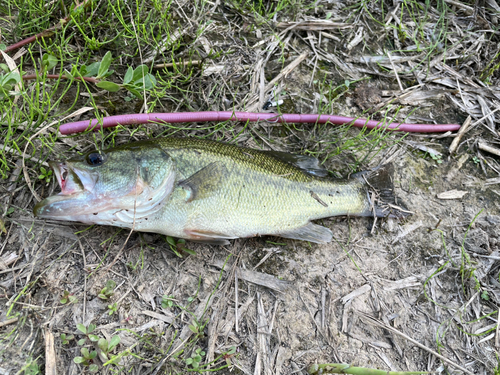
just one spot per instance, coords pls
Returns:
(261, 194)
(206, 191)
(250, 158)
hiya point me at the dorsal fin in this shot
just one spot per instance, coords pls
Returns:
(204, 182)
(308, 164)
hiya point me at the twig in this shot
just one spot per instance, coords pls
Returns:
(184, 63)
(47, 32)
(460, 134)
(485, 147)
(458, 4)
(258, 278)
(23, 155)
(314, 25)
(28, 77)
(50, 354)
(318, 327)
(84, 279)
(323, 303)
(7, 260)
(236, 300)
(251, 105)
(395, 71)
(8, 321)
(25, 170)
(422, 346)
(344, 368)
(497, 332)
(484, 117)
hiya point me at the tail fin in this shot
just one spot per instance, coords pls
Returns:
(380, 190)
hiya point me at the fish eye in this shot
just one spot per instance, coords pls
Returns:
(95, 159)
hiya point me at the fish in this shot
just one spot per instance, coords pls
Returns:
(211, 192)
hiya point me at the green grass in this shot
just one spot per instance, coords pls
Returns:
(143, 27)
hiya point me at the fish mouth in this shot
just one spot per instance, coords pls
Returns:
(61, 172)
(71, 180)
(75, 185)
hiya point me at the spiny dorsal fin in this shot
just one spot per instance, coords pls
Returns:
(203, 182)
(308, 164)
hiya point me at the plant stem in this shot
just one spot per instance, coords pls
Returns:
(27, 77)
(33, 38)
(47, 32)
(134, 119)
(343, 368)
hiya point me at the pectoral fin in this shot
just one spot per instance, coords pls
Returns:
(309, 232)
(204, 182)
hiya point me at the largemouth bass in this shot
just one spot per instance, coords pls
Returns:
(208, 191)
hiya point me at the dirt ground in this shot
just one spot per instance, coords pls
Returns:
(299, 304)
(418, 294)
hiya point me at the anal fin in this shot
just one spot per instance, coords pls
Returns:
(208, 237)
(309, 232)
(213, 242)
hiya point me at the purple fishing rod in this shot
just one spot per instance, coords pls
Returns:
(107, 122)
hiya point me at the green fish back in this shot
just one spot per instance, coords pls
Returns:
(260, 161)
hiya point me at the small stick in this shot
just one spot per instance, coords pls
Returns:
(458, 4)
(47, 32)
(344, 368)
(253, 102)
(84, 280)
(50, 354)
(460, 134)
(27, 77)
(497, 332)
(485, 116)
(23, 155)
(485, 147)
(395, 71)
(434, 353)
(8, 321)
(34, 38)
(184, 63)
(236, 300)
(323, 303)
